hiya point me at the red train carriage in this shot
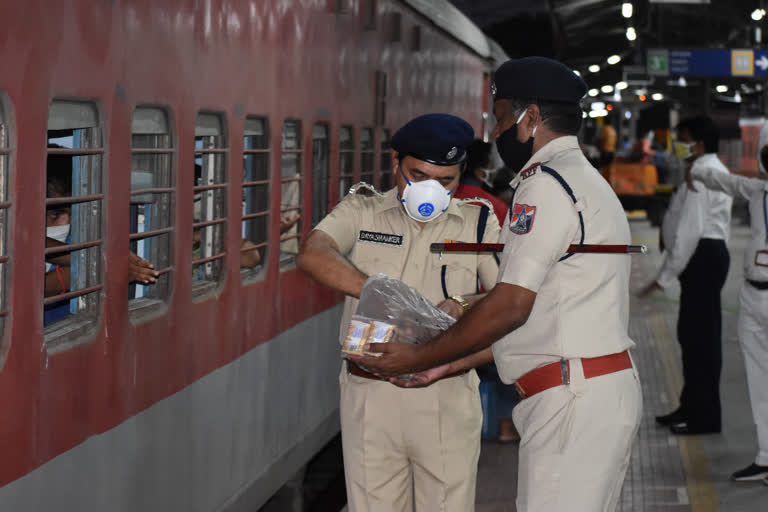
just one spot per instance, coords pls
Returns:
(206, 136)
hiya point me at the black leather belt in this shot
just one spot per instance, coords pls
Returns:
(760, 285)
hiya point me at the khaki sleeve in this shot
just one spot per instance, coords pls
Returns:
(343, 223)
(542, 223)
(487, 265)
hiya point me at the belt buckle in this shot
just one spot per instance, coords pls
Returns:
(564, 373)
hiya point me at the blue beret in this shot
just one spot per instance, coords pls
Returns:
(439, 139)
(540, 78)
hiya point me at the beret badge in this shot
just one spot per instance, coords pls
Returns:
(451, 153)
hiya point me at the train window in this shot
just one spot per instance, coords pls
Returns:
(346, 160)
(416, 38)
(4, 213)
(290, 192)
(74, 226)
(209, 203)
(151, 203)
(371, 10)
(255, 219)
(366, 156)
(320, 172)
(386, 161)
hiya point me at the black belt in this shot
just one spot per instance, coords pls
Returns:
(760, 285)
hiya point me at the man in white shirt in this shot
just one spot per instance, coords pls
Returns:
(694, 236)
(753, 299)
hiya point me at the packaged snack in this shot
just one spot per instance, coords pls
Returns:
(379, 332)
(357, 337)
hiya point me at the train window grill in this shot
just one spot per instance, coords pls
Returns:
(320, 172)
(416, 39)
(5, 205)
(74, 224)
(371, 11)
(209, 203)
(346, 160)
(396, 28)
(256, 198)
(367, 167)
(386, 161)
(380, 108)
(290, 192)
(151, 203)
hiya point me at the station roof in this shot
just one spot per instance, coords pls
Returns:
(582, 33)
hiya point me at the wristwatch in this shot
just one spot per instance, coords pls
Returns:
(461, 301)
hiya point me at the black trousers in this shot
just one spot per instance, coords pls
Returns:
(699, 331)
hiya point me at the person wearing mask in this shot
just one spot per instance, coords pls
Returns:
(753, 297)
(694, 235)
(409, 446)
(477, 178)
(557, 321)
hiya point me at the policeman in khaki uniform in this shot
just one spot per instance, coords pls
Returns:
(406, 446)
(559, 320)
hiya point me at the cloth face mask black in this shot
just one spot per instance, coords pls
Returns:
(514, 153)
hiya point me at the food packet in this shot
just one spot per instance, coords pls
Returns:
(392, 311)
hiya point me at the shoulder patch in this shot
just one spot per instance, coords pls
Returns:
(529, 172)
(521, 218)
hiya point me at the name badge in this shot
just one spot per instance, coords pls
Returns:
(380, 238)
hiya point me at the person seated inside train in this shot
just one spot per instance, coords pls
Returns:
(477, 178)
(58, 233)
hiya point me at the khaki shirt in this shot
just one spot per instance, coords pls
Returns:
(582, 302)
(376, 235)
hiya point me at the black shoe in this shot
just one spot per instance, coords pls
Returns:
(683, 429)
(675, 416)
(750, 473)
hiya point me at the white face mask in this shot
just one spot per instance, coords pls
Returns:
(59, 233)
(425, 200)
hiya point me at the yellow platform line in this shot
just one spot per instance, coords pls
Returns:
(701, 486)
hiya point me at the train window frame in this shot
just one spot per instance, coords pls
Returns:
(321, 171)
(249, 275)
(368, 156)
(370, 13)
(291, 185)
(346, 159)
(7, 143)
(386, 180)
(67, 114)
(153, 121)
(213, 196)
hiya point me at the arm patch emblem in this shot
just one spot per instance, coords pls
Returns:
(521, 218)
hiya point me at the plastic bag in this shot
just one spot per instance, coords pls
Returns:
(390, 310)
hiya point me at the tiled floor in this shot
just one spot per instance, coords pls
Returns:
(666, 474)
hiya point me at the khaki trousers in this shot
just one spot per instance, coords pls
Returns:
(576, 441)
(406, 447)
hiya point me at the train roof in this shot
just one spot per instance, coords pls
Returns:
(449, 18)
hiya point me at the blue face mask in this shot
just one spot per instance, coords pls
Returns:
(425, 200)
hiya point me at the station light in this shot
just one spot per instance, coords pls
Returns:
(758, 14)
(577, 72)
(593, 92)
(737, 97)
(594, 68)
(597, 105)
(657, 96)
(613, 59)
(682, 82)
(609, 107)
(626, 9)
(627, 114)
(583, 114)
(641, 97)
(598, 113)
(607, 88)
(721, 88)
(631, 34)
(622, 85)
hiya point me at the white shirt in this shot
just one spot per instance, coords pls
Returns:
(756, 192)
(703, 213)
(582, 302)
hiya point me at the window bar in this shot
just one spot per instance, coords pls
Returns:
(76, 151)
(52, 201)
(155, 190)
(203, 188)
(255, 215)
(255, 183)
(207, 223)
(61, 249)
(209, 259)
(148, 234)
(73, 294)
